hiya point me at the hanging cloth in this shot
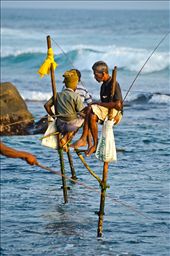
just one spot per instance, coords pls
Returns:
(45, 67)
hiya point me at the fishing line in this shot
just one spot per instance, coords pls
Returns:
(33, 119)
(137, 73)
(145, 64)
(80, 183)
(63, 52)
(95, 190)
(82, 83)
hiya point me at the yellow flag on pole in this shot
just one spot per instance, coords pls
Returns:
(45, 67)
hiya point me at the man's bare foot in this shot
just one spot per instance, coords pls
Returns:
(79, 143)
(90, 151)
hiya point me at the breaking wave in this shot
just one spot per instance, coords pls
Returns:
(36, 96)
(140, 98)
(83, 57)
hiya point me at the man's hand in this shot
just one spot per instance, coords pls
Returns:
(29, 158)
(118, 105)
(116, 119)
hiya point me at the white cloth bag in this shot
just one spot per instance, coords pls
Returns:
(50, 139)
(106, 148)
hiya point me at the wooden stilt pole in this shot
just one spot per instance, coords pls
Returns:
(70, 159)
(64, 185)
(102, 200)
(78, 152)
(60, 151)
(53, 83)
(105, 168)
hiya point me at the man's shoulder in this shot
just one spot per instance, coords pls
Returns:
(72, 94)
(66, 93)
(109, 83)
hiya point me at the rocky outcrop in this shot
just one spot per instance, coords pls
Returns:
(38, 127)
(14, 114)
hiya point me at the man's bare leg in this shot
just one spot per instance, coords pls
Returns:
(94, 132)
(83, 139)
(66, 138)
(89, 139)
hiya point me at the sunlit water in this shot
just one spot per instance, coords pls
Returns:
(34, 219)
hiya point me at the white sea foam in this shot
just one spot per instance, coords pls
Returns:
(127, 58)
(160, 99)
(36, 96)
(137, 97)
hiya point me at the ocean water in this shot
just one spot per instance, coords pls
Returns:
(34, 219)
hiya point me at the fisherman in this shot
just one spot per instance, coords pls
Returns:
(86, 98)
(13, 153)
(68, 105)
(98, 111)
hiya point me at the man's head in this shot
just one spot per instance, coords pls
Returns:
(101, 71)
(78, 73)
(71, 79)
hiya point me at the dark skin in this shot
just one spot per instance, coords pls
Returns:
(48, 106)
(13, 153)
(91, 119)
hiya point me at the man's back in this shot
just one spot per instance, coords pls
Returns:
(85, 96)
(68, 104)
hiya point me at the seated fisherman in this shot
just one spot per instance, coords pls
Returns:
(99, 110)
(86, 98)
(68, 105)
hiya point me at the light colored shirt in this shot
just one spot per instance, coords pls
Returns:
(68, 104)
(86, 97)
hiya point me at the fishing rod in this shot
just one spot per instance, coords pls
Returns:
(145, 64)
(137, 73)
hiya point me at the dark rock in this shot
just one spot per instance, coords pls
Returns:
(38, 127)
(14, 116)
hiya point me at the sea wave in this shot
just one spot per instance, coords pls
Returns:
(83, 57)
(144, 98)
(36, 96)
(139, 98)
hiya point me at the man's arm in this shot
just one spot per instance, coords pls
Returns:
(116, 104)
(13, 153)
(48, 106)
